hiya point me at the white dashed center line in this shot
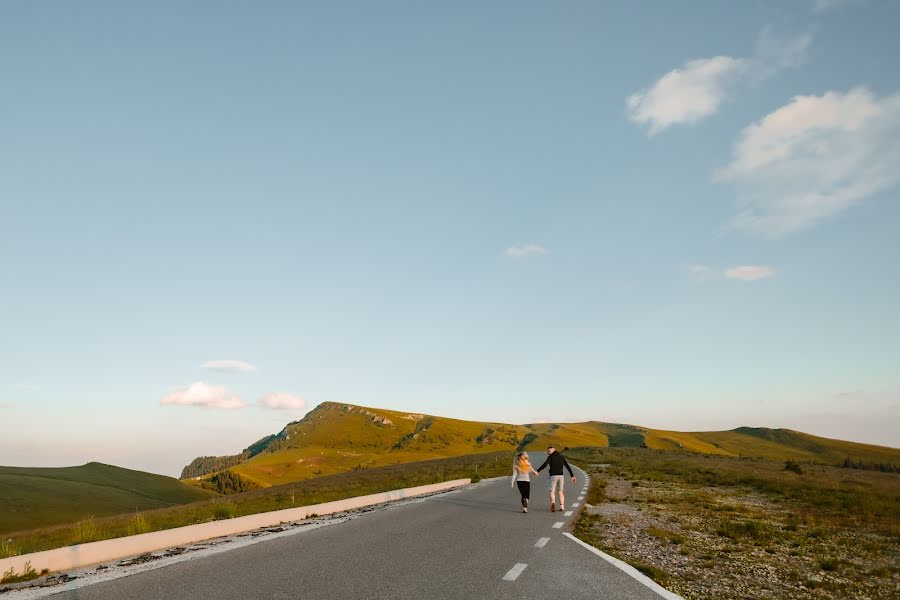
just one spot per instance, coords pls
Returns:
(558, 525)
(541, 542)
(581, 497)
(514, 573)
(568, 513)
(574, 504)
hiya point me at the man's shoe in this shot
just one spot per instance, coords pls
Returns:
(524, 509)
(563, 507)
(553, 507)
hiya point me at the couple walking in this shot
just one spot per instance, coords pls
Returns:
(522, 471)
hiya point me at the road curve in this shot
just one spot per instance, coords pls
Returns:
(473, 543)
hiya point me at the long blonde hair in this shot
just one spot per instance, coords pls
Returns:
(522, 464)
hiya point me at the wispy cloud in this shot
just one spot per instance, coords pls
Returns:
(824, 5)
(4, 405)
(697, 89)
(749, 272)
(229, 366)
(814, 158)
(203, 395)
(700, 272)
(282, 401)
(28, 387)
(776, 52)
(524, 250)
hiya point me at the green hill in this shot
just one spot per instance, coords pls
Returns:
(335, 438)
(39, 497)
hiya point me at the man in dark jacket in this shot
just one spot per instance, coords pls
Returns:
(557, 461)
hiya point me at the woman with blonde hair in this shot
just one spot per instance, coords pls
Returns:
(521, 477)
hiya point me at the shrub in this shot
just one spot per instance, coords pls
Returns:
(829, 564)
(597, 491)
(735, 530)
(792, 466)
(224, 510)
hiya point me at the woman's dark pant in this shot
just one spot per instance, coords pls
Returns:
(525, 490)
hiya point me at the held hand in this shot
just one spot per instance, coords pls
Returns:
(573, 480)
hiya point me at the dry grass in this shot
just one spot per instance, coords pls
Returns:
(826, 532)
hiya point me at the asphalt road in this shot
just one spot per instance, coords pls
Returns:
(468, 544)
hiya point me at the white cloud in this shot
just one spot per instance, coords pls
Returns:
(6, 405)
(231, 366)
(696, 90)
(523, 250)
(685, 95)
(749, 272)
(205, 395)
(282, 401)
(813, 158)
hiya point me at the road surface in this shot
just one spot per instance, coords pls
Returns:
(471, 544)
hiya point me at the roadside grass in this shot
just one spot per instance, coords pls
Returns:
(596, 491)
(831, 494)
(736, 530)
(665, 534)
(821, 532)
(28, 573)
(304, 493)
(138, 525)
(655, 573)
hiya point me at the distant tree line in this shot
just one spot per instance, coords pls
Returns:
(228, 482)
(858, 464)
(203, 465)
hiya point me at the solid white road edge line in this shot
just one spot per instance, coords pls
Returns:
(558, 525)
(514, 573)
(623, 566)
(541, 542)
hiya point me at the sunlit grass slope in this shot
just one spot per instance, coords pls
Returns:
(38, 497)
(335, 438)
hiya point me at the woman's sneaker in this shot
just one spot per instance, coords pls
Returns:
(524, 509)
(553, 507)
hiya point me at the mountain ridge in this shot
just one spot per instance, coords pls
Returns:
(336, 437)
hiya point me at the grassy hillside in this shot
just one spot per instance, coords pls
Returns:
(335, 438)
(36, 497)
(302, 493)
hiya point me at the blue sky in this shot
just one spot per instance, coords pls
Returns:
(681, 215)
